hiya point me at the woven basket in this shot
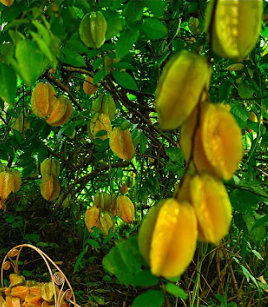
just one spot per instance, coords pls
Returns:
(58, 278)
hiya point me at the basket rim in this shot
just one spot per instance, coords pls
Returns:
(58, 278)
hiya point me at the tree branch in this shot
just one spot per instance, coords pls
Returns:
(64, 88)
(85, 179)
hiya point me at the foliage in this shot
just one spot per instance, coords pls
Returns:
(40, 42)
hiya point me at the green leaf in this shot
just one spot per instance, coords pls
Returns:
(73, 58)
(27, 273)
(123, 65)
(28, 170)
(114, 264)
(177, 44)
(18, 136)
(115, 24)
(150, 298)
(42, 152)
(143, 142)
(29, 59)
(8, 149)
(154, 29)
(257, 254)
(8, 84)
(78, 260)
(173, 167)
(244, 201)
(125, 80)
(260, 222)
(3, 154)
(124, 260)
(32, 237)
(75, 44)
(176, 291)
(245, 90)
(240, 112)
(225, 89)
(93, 243)
(130, 254)
(28, 160)
(134, 10)
(16, 23)
(43, 46)
(249, 276)
(97, 63)
(125, 43)
(156, 7)
(144, 279)
(84, 5)
(175, 155)
(134, 26)
(42, 30)
(99, 76)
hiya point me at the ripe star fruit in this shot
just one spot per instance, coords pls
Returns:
(124, 188)
(211, 203)
(43, 99)
(218, 145)
(121, 143)
(92, 216)
(7, 2)
(106, 221)
(180, 88)
(105, 202)
(167, 237)
(236, 27)
(92, 29)
(17, 180)
(99, 122)
(88, 86)
(58, 110)
(31, 293)
(61, 113)
(125, 209)
(50, 187)
(6, 184)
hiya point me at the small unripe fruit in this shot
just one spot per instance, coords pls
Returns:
(92, 29)
(121, 144)
(105, 104)
(106, 221)
(50, 166)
